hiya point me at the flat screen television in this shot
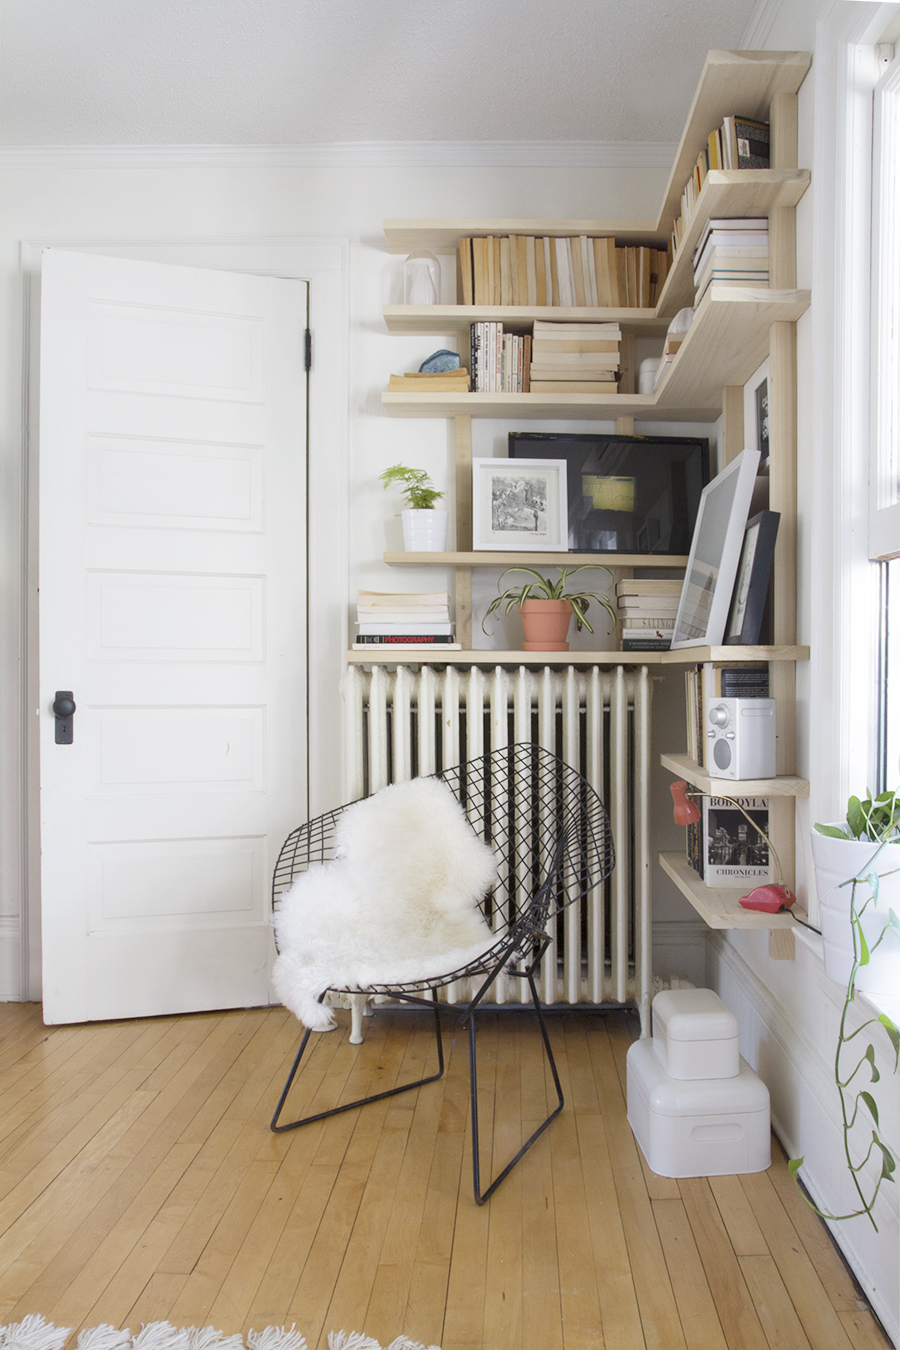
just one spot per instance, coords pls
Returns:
(626, 494)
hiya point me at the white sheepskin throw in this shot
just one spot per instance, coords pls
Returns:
(398, 903)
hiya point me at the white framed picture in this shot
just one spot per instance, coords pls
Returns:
(519, 505)
(715, 553)
(756, 413)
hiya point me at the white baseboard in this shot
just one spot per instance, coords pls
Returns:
(792, 1051)
(10, 958)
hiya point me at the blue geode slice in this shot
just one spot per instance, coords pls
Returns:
(442, 360)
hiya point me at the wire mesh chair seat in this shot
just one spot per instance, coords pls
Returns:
(550, 833)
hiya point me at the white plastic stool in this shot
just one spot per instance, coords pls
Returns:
(695, 1035)
(701, 1127)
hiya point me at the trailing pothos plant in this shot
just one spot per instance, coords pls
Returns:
(542, 588)
(875, 819)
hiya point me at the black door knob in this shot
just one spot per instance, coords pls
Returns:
(63, 708)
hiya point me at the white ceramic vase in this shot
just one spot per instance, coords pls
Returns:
(424, 531)
(835, 860)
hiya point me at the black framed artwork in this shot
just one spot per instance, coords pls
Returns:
(626, 494)
(751, 584)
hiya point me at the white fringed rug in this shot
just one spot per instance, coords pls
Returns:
(33, 1333)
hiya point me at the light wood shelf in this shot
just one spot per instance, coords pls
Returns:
(719, 908)
(484, 558)
(785, 785)
(726, 342)
(690, 655)
(427, 319)
(430, 656)
(741, 193)
(443, 235)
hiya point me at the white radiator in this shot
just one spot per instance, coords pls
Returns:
(409, 721)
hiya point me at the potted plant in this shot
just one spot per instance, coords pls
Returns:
(857, 866)
(546, 607)
(424, 527)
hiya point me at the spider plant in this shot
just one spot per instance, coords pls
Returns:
(542, 588)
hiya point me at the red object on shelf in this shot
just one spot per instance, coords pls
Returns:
(684, 811)
(769, 899)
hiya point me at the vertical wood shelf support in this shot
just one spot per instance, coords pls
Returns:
(462, 427)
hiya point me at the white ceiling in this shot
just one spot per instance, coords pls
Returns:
(295, 72)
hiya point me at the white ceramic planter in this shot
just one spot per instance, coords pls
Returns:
(835, 860)
(424, 531)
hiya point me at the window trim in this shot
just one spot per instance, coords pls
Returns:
(884, 449)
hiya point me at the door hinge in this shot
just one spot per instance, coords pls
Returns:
(307, 350)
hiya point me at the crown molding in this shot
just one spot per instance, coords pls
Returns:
(351, 154)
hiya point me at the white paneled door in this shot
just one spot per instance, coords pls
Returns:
(173, 608)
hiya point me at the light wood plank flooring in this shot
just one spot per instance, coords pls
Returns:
(139, 1181)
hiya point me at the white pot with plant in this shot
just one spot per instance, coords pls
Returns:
(424, 526)
(547, 607)
(857, 868)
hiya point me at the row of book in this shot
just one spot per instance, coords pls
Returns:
(739, 143)
(712, 680)
(565, 271)
(724, 848)
(647, 608)
(500, 362)
(405, 619)
(558, 358)
(732, 251)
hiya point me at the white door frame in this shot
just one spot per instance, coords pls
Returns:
(324, 265)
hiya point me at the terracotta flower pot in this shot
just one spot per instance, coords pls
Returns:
(545, 624)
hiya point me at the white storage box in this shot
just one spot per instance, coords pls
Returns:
(694, 1034)
(707, 1127)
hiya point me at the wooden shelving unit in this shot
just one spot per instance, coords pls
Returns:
(483, 558)
(722, 908)
(733, 331)
(785, 785)
(725, 344)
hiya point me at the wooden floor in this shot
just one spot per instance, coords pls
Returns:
(139, 1181)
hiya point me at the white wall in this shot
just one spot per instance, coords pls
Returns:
(199, 203)
(789, 1011)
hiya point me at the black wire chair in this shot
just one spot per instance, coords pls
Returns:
(551, 834)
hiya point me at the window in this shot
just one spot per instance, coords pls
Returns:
(884, 472)
(884, 466)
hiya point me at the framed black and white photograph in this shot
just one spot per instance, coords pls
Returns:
(715, 552)
(519, 505)
(752, 585)
(756, 413)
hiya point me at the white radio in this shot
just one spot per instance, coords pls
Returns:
(741, 738)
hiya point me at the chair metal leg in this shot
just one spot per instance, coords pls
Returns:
(277, 1128)
(482, 1196)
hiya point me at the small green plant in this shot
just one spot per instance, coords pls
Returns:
(414, 484)
(542, 588)
(876, 819)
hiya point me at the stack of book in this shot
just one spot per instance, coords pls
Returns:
(405, 620)
(739, 143)
(707, 683)
(580, 271)
(647, 610)
(724, 848)
(735, 252)
(431, 382)
(499, 361)
(574, 358)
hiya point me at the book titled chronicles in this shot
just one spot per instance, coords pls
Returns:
(723, 845)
